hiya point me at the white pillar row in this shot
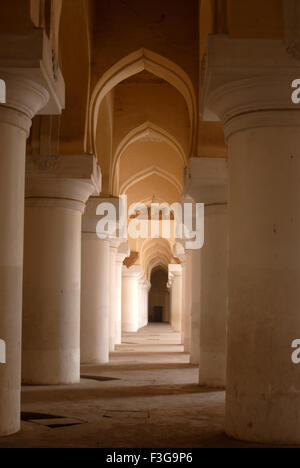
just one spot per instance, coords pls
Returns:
(207, 183)
(122, 253)
(252, 97)
(95, 283)
(131, 298)
(175, 284)
(55, 201)
(29, 89)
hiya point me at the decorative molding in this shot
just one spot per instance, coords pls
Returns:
(245, 77)
(149, 172)
(74, 178)
(207, 181)
(262, 119)
(30, 59)
(149, 131)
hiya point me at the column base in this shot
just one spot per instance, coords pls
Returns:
(212, 371)
(51, 367)
(10, 409)
(129, 327)
(265, 419)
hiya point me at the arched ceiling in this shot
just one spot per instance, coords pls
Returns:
(146, 98)
(162, 75)
(133, 79)
(145, 129)
(154, 253)
(153, 186)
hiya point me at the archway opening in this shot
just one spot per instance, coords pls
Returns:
(159, 297)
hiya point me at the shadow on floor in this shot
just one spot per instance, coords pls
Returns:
(135, 367)
(34, 394)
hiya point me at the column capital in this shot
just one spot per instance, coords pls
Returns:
(135, 271)
(67, 180)
(175, 271)
(143, 280)
(123, 252)
(206, 180)
(110, 209)
(146, 285)
(244, 80)
(179, 252)
(24, 99)
(30, 59)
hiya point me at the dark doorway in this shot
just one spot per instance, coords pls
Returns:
(157, 314)
(159, 296)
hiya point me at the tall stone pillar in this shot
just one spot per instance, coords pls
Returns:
(114, 245)
(180, 253)
(187, 302)
(30, 87)
(122, 253)
(195, 306)
(131, 298)
(207, 183)
(56, 196)
(95, 283)
(248, 87)
(146, 289)
(175, 283)
(143, 302)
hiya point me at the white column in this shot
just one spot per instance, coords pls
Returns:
(114, 245)
(207, 183)
(131, 298)
(27, 92)
(122, 253)
(179, 252)
(14, 129)
(262, 128)
(95, 282)
(187, 301)
(142, 301)
(175, 280)
(55, 202)
(146, 289)
(195, 306)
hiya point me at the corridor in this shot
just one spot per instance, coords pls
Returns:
(147, 396)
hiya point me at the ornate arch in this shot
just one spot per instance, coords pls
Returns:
(136, 62)
(146, 130)
(150, 171)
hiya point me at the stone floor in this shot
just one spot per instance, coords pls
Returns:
(147, 396)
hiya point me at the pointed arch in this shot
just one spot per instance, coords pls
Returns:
(146, 130)
(160, 262)
(150, 171)
(134, 63)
